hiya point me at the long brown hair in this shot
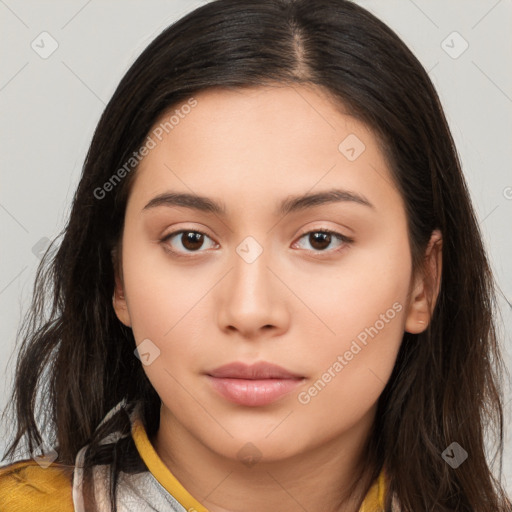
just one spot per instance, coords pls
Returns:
(76, 359)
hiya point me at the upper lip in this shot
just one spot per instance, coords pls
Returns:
(260, 370)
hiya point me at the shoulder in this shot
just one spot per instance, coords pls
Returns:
(25, 486)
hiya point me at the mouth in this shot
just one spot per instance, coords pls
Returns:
(253, 385)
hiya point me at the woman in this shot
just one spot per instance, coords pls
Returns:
(272, 291)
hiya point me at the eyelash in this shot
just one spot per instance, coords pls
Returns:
(345, 239)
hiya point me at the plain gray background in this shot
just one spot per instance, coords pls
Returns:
(50, 104)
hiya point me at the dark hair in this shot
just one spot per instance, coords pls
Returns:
(445, 385)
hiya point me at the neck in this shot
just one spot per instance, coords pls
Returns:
(333, 476)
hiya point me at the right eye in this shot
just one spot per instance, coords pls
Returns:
(189, 240)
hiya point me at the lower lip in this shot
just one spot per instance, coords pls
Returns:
(253, 393)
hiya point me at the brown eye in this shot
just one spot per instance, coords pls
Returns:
(321, 239)
(186, 241)
(192, 240)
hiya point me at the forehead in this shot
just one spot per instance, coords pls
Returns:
(260, 141)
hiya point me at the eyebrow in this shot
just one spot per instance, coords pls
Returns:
(289, 205)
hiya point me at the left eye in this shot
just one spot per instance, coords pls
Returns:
(322, 238)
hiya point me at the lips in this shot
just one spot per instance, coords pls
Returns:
(261, 370)
(253, 385)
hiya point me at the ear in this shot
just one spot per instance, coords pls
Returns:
(426, 287)
(119, 299)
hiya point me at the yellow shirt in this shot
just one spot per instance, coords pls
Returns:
(25, 486)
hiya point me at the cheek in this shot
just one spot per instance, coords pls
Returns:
(365, 310)
(160, 293)
(351, 372)
(168, 305)
(367, 289)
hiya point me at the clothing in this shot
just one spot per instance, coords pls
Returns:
(25, 486)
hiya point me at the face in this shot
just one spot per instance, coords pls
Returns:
(255, 272)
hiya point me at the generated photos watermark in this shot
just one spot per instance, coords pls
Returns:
(361, 341)
(156, 134)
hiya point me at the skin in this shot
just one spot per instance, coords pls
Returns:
(298, 305)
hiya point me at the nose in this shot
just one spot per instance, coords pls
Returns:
(252, 299)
